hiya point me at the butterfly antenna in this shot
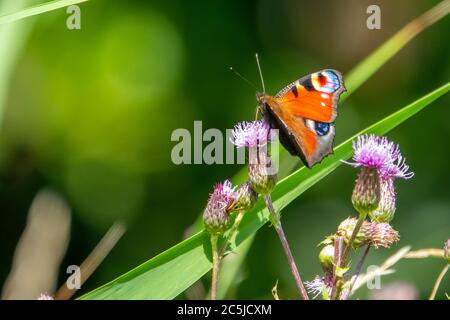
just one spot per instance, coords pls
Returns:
(243, 78)
(260, 73)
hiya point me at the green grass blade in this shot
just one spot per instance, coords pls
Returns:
(171, 272)
(36, 10)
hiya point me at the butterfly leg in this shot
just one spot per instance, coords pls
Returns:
(258, 110)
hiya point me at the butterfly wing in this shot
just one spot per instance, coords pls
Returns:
(304, 111)
(314, 96)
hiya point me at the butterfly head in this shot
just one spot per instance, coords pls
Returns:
(262, 98)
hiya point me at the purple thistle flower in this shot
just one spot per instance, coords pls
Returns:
(381, 154)
(224, 189)
(215, 216)
(397, 169)
(251, 134)
(318, 285)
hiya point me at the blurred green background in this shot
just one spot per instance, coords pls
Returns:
(90, 112)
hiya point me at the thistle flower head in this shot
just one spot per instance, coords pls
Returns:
(251, 134)
(379, 153)
(447, 251)
(366, 193)
(364, 235)
(262, 175)
(317, 286)
(244, 198)
(383, 235)
(45, 296)
(387, 204)
(215, 216)
(370, 233)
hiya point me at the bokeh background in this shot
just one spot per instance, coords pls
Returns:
(89, 113)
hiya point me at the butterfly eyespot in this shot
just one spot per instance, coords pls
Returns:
(322, 128)
(322, 79)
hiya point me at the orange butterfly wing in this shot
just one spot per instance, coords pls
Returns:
(304, 112)
(314, 96)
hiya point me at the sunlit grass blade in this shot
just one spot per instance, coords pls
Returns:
(35, 10)
(173, 271)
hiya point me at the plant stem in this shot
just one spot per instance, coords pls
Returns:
(356, 273)
(216, 264)
(341, 258)
(286, 248)
(348, 248)
(438, 282)
(338, 246)
(233, 229)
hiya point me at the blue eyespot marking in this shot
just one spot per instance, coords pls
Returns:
(322, 128)
(332, 84)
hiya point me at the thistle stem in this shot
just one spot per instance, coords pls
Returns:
(348, 248)
(287, 250)
(233, 229)
(337, 281)
(356, 273)
(215, 269)
(438, 282)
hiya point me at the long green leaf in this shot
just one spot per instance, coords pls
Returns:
(38, 9)
(171, 272)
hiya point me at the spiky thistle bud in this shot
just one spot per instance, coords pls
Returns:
(326, 258)
(364, 235)
(383, 235)
(244, 198)
(366, 193)
(387, 205)
(261, 174)
(216, 216)
(447, 251)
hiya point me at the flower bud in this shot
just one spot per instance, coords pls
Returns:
(366, 194)
(326, 258)
(261, 174)
(364, 235)
(386, 207)
(244, 198)
(383, 235)
(447, 251)
(216, 217)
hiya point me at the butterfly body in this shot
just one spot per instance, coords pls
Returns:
(304, 112)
